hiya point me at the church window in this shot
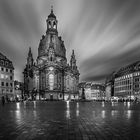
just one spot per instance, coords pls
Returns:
(51, 81)
(54, 24)
(49, 24)
(51, 68)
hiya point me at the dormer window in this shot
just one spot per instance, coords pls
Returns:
(51, 81)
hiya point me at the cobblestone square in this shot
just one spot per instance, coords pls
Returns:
(58, 120)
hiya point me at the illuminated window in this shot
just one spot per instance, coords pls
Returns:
(54, 25)
(2, 76)
(50, 68)
(6, 77)
(51, 81)
(49, 24)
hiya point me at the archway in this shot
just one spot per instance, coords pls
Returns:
(51, 97)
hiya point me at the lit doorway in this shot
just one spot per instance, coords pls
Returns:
(51, 97)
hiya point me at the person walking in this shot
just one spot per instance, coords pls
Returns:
(3, 100)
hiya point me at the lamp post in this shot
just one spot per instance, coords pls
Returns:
(63, 82)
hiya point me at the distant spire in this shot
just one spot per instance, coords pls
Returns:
(51, 9)
(73, 55)
(72, 52)
(30, 52)
(73, 60)
(30, 58)
(52, 14)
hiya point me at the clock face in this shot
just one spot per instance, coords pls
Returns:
(51, 68)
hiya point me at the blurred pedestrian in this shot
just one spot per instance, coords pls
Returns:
(7, 99)
(3, 100)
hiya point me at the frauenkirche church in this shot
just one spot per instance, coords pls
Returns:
(51, 77)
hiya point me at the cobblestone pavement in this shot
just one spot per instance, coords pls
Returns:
(60, 120)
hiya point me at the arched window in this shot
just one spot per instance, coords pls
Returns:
(49, 24)
(51, 81)
(54, 25)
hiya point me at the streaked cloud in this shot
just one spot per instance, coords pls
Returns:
(104, 33)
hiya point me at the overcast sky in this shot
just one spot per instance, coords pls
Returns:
(105, 34)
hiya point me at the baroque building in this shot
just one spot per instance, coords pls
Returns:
(127, 81)
(18, 88)
(6, 78)
(124, 83)
(51, 76)
(92, 91)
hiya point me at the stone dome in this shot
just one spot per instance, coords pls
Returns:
(58, 45)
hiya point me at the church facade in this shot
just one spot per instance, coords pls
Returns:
(50, 76)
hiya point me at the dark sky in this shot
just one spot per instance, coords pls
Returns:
(105, 34)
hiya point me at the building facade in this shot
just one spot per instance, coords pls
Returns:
(81, 87)
(88, 90)
(6, 78)
(109, 86)
(91, 91)
(51, 76)
(97, 91)
(18, 88)
(127, 81)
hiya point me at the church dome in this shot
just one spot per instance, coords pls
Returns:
(58, 45)
(52, 37)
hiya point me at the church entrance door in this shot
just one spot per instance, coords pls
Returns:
(51, 97)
